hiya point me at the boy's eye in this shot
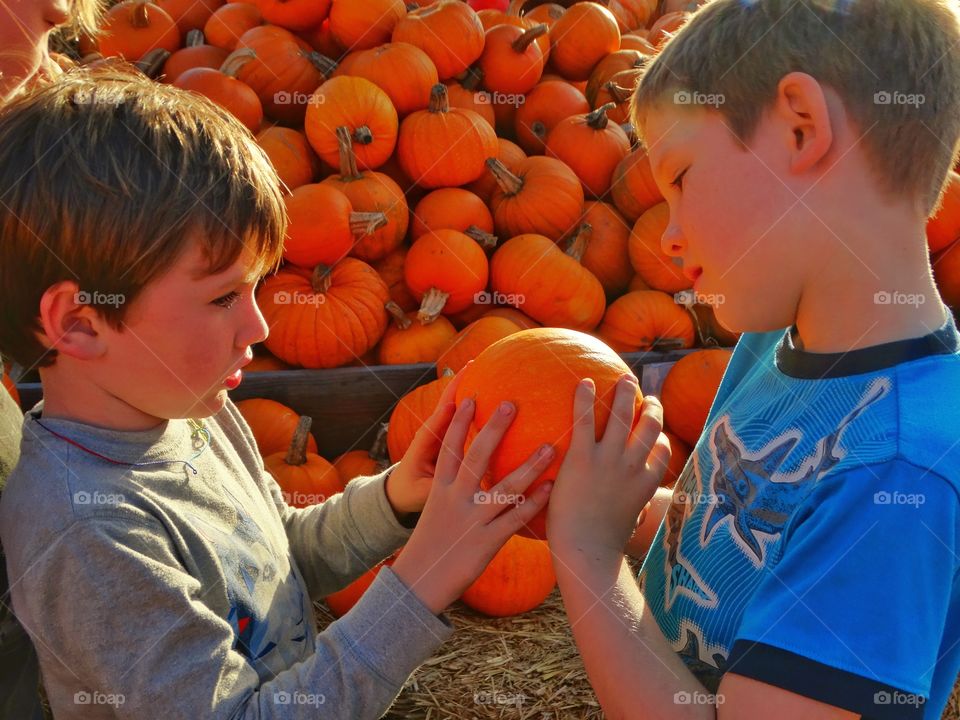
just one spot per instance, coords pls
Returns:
(678, 180)
(227, 300)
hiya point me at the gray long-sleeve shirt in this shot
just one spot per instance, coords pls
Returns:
(153, 592)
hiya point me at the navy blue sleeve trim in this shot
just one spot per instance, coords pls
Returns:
(803, 676)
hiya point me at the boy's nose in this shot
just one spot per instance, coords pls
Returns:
(56, 12)
(255, 328)
(672, 242)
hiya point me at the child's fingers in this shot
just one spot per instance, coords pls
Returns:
(659, 458)
(583, 436)
(645, 434)
(621, 415)
(512, 520)
(427, 440)
(481, 449)
(512, 486)
(451, 450)
(449, 394)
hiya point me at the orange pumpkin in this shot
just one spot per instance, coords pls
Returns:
(360, 106)
(658, 270)
(666, 27)
(688, 391)
(542, 195)
(133, 28)
(635, 41)
(445, 270)
(607, 254)
(512, 62)
(591, 146)
(679, 454)
(229, 22)
(618, 92)
(633, 189)
(226, 91)
(304, 477)
(451, 208)
(466, 95)
(195, 53)
(545, 106)
(342, 306)
(189, 14)
(273, 425)
(472, 340)
(363, 463)
(448, 31)
(408, 341)
(547, 13)
(291, 155)
(548, 284)
(390, 268)
(646, 320)
(404, 72)
(444, 146)
(508, 153)
(294, 14)
(585, 34)
(322, 40)
(411, 412)
(943, 227)
(341, 601)
(521, 320)
(518, 579)
(609, 66)
(362, 25)
(371, 192)
(538, 371)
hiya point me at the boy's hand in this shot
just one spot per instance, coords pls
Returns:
(603, 486)
(457, 536)
(410, 481)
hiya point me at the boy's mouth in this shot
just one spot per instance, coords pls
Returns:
(233, 379)
(693, 273)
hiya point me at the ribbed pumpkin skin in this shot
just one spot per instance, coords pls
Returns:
(229, 22)
(556, 290)
(272, 424)
(448, 31)
(409, 89)
(319, 229)
(550, 202)
(410, 413)
(546, 105)
(608, 251)
(123, 36)
(418, 343)
(585, 34)
(373, 191)
(451, 209)
(517, 580)
(645, 320)
(656, 268)
(472, 340)
(538, 371)
(593, 153)
(304, 485)
(343, 323)
(449, 261)
(689, 389)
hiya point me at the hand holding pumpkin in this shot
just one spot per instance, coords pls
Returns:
(602, 487)
(461, 529)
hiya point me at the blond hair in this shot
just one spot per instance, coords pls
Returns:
(894, 63)
(104, 178)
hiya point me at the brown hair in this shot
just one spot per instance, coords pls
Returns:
(894, 63)
(104, 178)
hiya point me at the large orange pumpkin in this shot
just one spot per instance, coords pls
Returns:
(363, 463)
(133, 28)
(538, 371)
(448, 31)
(272, 424)
(518, 579)
(342, 308)
(294, 14)
(659, 270)
(195, 53)
(646, 320)
(304, 477)
(512, 61)
(445, 270)
(688, 391)
(542, 195)
(585, 34)
(608, 67)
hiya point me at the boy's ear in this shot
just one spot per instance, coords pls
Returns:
(69, 325)
(802, 105)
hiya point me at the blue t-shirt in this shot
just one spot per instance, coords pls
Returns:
(813, 542)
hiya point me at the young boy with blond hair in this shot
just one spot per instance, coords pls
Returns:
(151, 557)
(808, 564)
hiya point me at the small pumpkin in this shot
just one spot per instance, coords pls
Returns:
(512, 62)
(444, 146)
(646, 320)
(451, 208)
(633, 189)
(445, 270)
(322, 40)
(538, 371)
(360, 106)
(943, 227)
(342, 306)
(636, 41)
(304, 477)
(591, 146)
(363, 463)
(229, 22)
(390, 268)
(688, 391)
(411, 412)
(508, 153)
(659, 270)
(607, 254)
(547, 13)
(465, 94)
(618, 92)
(189, 14)
(404, 72)
(551, 285)
(343, 600)
(133, 28)
(585, 34)
(195, 53)
(472, 340)
(409, 341)
(362, 25)
(448, 31)
(520, 319)
(545, 106)
(541, 195)
(226, 91)
(666, 26)
(291, 155)
(294, 14)
(518, 579)
(272, 424)
(609, 66)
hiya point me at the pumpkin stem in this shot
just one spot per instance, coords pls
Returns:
(598, 118)
(521, 44)
(348, 161)
(363, 135)
(618, 93)
(631, 132)
(447, 372)
(486, 240)
(578, 245)
(365, 223)
(439, 100)
(472, 78)
(508, 182)
(236, 60)
(321, 279)
(152, 63)
(666, 344)
(432, 305)
(325, 65)
(378, 451)
(297, 452)
(194, 38)
(139, 18)
(399, 316)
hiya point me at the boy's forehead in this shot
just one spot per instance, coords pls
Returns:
(247, 267)
(666, 128)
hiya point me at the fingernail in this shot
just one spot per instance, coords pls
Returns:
(506, 408)
(545, 451)
(587, 383)
(547, 487)
(629, 380)
(467, 404)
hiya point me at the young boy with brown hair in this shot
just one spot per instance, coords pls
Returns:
(151, 557)
(808, 565)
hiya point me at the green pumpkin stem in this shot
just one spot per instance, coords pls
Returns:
(508, 182)
(432, 305)
(521, 44)
(488, 241)
(399, 316)
(578, 245)
(297, 452)
(598, 118)
(321, 279)
(366, 223)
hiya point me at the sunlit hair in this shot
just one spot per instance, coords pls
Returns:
(105, 177)
(894, 63)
